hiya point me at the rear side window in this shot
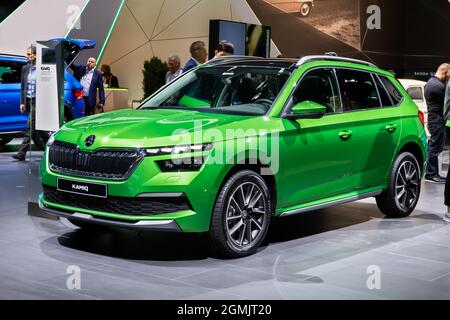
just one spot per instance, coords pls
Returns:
(358, 90)
(416, 93)
(384, 96)
(395, 95)
(10, 72)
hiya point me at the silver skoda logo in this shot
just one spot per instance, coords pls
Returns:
(89, 141)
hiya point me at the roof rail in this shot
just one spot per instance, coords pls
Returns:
(12, 55)
(306, 59)
(231, 57)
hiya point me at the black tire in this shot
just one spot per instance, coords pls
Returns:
(252, 213)
(305, 9)
(4, 140)
(86, 225)
(402, 194)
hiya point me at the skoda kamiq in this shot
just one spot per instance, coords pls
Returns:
(237, 141)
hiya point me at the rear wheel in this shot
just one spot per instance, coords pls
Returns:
(305, 9)
(4, 140)
(403, 191)
(241, 215)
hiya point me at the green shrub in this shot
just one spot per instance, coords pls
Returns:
(154, 75)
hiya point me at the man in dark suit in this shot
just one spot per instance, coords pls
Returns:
(28, 101)
(434, 97)
(198, 55)
(91, 80)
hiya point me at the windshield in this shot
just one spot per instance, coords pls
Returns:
(246, 90)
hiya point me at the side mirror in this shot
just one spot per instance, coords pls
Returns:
(307, 110)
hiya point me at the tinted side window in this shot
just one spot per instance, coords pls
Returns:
(384, 96)
(358, 90)
(392, 90)
(416, 93)
(10, 72)
(319, 86)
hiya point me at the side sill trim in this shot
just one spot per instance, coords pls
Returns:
(332, 203)
(162, 225)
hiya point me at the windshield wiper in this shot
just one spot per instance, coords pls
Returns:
(167, 107)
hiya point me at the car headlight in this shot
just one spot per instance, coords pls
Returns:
(179, 149)
(51, 139)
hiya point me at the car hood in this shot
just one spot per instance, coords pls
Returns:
(151, 128)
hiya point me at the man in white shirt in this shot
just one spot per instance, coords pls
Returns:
(92, 81)
(174, 68)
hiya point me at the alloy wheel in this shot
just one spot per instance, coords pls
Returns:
(245, 215)
(407, 185)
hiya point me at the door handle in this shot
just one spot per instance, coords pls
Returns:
(391, 128)
(344, 135)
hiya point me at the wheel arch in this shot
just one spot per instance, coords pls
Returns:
(414, 148)
(256, 166)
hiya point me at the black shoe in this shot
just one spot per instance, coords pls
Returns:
(18, 157)
(435, 179)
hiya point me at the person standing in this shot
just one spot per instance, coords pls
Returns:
(199, 55)
(28, 101)
(174, 68)
(434, 96)
(109, 80)
(447, 181)
(91, 80)
(224, 48)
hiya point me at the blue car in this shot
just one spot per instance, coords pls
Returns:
(12, 122)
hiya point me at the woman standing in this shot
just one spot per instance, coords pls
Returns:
(109, 79)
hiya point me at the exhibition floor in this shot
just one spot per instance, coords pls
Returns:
(319, 255)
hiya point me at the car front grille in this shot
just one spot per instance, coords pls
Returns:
(67, 158)
(141, 206)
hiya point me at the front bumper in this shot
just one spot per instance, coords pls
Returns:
(161, 225)
(199, 187)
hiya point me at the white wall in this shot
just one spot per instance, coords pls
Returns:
(37, 20)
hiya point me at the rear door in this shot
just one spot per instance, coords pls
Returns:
(377, 125)
(11, 120)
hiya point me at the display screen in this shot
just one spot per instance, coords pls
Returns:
(48, 56)
(248, 39)
(258, 41)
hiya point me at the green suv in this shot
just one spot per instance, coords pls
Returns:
(233, 143)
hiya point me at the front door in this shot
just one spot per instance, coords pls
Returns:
(317, 153)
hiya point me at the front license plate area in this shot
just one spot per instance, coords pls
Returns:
(83, 188)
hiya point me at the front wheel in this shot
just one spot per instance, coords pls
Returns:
(241, 216)
(403, 191)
